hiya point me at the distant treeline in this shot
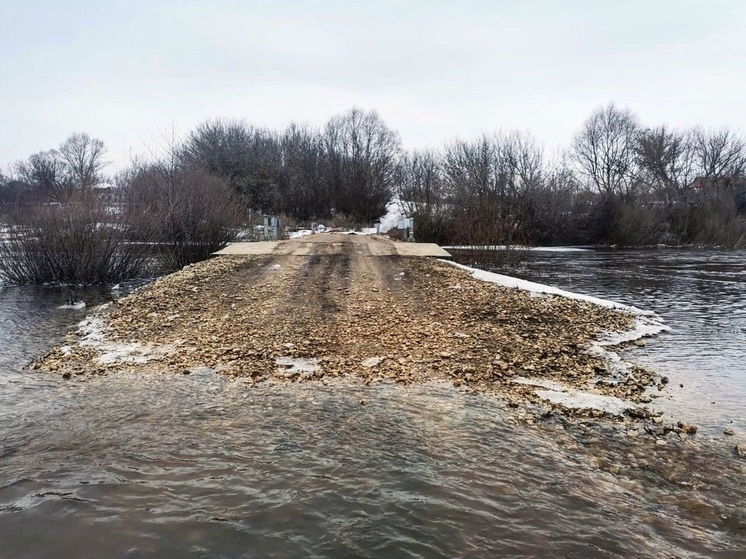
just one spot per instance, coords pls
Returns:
(619, 182)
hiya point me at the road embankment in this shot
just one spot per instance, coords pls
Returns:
(340, 310)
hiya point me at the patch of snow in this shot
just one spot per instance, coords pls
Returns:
(515, 247)
(77, 305)
(295, 365)
(577, 399)
(93, 334)
(558, 393)
(127, 353)
(646, 326)
(558, 249)
(244, 234)
(613, 360)
(372, 362)
(315, 228)
(394, 214)
(92, 330)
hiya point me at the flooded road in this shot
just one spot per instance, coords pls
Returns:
(152, 465)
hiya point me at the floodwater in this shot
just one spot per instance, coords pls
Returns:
(700, 294)
(135, 465)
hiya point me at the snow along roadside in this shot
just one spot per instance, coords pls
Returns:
(92, 331)
(515, 247)
(647, 324)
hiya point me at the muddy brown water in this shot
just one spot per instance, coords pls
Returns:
(138, 465)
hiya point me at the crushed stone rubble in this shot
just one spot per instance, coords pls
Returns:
(340, 313)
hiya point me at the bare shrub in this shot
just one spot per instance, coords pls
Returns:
(433, 225)
(636, 225)
(712, 218)
(491, 242)
(78, 242)
(188, 214)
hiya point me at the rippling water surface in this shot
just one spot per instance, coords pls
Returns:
(702, 297)
(137, 465)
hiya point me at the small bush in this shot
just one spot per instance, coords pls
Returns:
(496, 241)
(433, 226)
(76, 242)
(636, 225)
(188, 215)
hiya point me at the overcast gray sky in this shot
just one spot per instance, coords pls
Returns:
(435, 70)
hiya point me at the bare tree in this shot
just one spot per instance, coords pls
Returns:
(470, 169)
(362, 153)
(500, 169)
(604, 150)
(12, 191)
(220, 147)
(421, 190)
(560, 210)
(490, 180)
(83, 158)
(522, 162)
(719, 153)
(58, 174)
(303, 190)
(419, 180)
(248, 158)
(45, 174)
(666, 161)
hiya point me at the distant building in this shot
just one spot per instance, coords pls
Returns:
(736, 185)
